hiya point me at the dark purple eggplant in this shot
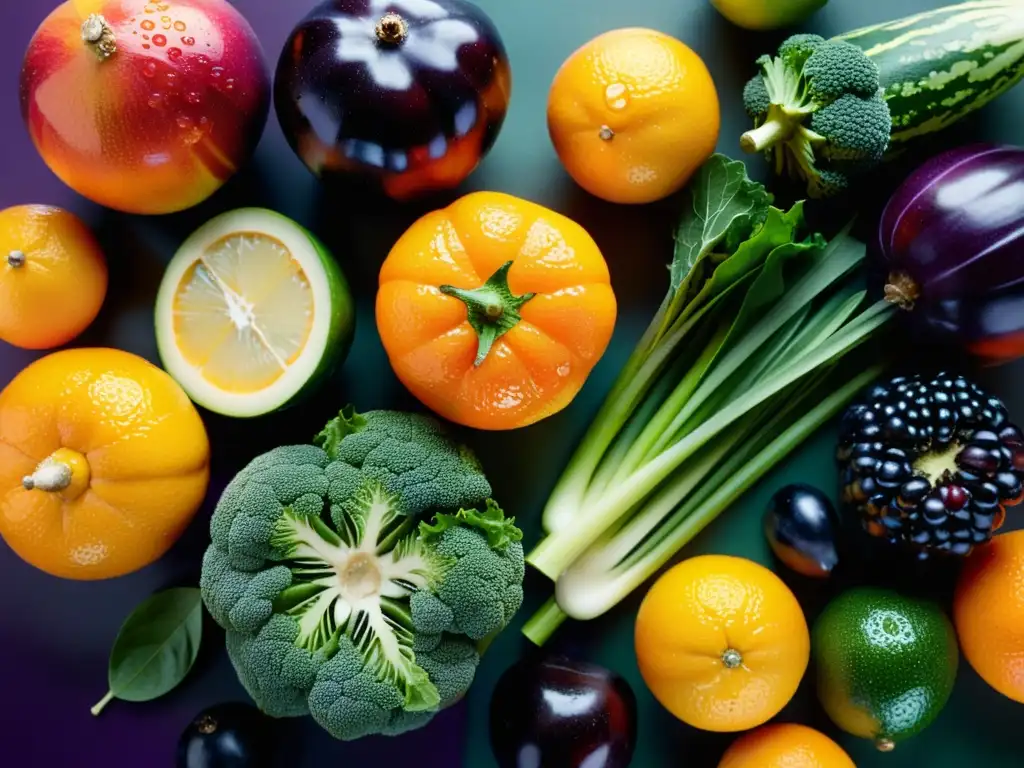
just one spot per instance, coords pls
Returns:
(951, 241)
(562, 713)
(407, 94)
(802, 528)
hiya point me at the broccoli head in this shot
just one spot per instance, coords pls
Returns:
(818, 112)
(360, 578)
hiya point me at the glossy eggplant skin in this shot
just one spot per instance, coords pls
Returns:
(956, 225)
(991, 329)
(802, 528)
(562, 713)
(406, 93)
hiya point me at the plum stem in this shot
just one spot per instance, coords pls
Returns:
(392, 29)
(99, 36)
(902, 291)
(16, 259)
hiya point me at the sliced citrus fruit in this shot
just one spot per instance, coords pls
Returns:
(251, 313)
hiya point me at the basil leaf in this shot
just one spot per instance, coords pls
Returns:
(155, 647)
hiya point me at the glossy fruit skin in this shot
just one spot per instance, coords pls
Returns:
(138, 451)
(689, 666)
(954, 231)
(785, 745)
(232, 735)
(767, 14)
(633, 114)
(163, 122)
(886, 664)
(537, 367)
(802, 528)
(412, 117)
(531, 723)
(53, 276)
(988, 611)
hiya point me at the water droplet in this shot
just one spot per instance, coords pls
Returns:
(217, 72)
(150, 69)
(145, 37)
(149, 9)
(193, 98)
(145, 46)
(188, 40)
(172, 79)
(148, 25)
(165, 22)
(202, 61)
(184, 122)
(229, 84)
(135, 31)
(159, 40)
(156, 100)
(162, 7)
(174, 54)
(180, 26)
(616, 96)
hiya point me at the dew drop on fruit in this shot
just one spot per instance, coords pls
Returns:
(174, 54)
(229, 84)
(150, 9)
(159, 40)
(148, 25)
(145, 46)
(188, 40)
(201, 60)
(155, 100)
(149, 70)
(616, 96)
(180, 26)
(171, 79)
(145, 37)
(165, 22)
(217, 73)
(184, 122)
(192, 97)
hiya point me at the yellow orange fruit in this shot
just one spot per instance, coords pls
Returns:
(988, 611)
(53, 277)
(721, 642)
(103, 463)
(632, 114)
(785, 745)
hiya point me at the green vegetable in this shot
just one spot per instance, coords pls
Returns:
(360, 578)
(818, 111)
(155, 647)
(940, 65)
(767, 14)
(740, 364)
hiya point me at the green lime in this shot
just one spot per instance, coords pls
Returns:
(885, 664)
(252, 312)
(767, 14)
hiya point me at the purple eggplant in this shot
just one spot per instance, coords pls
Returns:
(406, 93)
(951, 241)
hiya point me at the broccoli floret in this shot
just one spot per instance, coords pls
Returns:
(819, 102)
(357, 584)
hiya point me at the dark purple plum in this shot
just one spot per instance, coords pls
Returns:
(231, 735)
(802, 528)
(562, 713)
(951, 242)
(409, 94)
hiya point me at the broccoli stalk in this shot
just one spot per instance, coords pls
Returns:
(818, 113)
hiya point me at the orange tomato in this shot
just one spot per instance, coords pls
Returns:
(494, 310)
(721, 642)
(988, 611)
(53, 277)
(632, 115)
(103, 463)
(785, 745)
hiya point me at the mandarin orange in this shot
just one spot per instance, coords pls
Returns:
(785, 745)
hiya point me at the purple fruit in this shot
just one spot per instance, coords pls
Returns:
(407, 93)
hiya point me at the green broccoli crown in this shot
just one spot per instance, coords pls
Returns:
(796, 49)
(837, 68)
(855, 129)
(756, 100)
(355, 577)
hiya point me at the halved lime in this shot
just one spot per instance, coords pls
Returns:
(251, 312)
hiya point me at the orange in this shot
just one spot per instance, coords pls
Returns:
(785, 745)
(721, 642)
(494, 310)
(53, 276)
(632, 114)
(103, 463)
(988, 611)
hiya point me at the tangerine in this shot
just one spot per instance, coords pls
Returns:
(633, 114)
(785, 745)
(53, 277)
(721, 642)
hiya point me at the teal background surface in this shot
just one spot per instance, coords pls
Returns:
(56, 634)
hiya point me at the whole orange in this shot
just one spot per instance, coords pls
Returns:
(988, 611)
(721, 642)
(53, 277)
(103, 463)
(785, 745)
(632, 114)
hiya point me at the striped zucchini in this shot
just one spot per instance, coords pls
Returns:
(940, 65)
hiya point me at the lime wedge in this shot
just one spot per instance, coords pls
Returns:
(252, 312)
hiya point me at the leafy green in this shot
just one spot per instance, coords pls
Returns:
(155, 647)
(750, 351)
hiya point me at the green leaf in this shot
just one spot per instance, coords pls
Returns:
(155, 647)
(500, 530)
(725, 208)
(337, 429)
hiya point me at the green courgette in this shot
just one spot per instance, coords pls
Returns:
(938, 66)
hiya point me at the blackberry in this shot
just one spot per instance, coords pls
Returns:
(931, 465)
